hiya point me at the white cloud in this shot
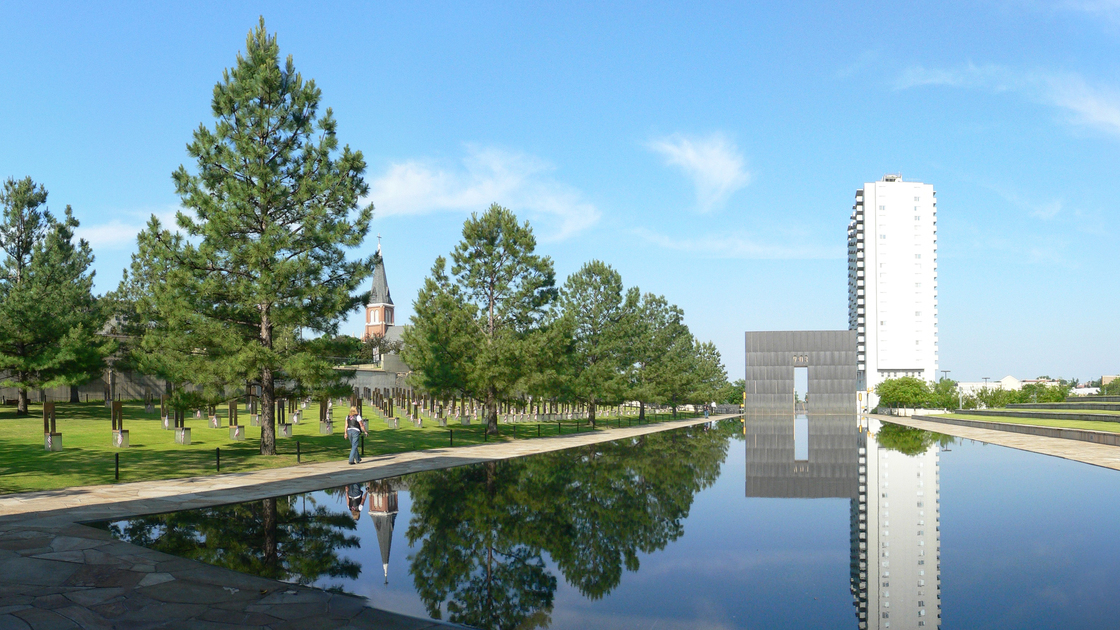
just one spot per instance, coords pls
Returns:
(1094, 106)
(715, 165)
(739, 246)
(119, 232)
(486, 175)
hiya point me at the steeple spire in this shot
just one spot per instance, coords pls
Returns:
(379, 309)
(383, 511)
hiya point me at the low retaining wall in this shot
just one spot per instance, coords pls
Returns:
(1045, 415)
(1068, 405)
(1083, 435)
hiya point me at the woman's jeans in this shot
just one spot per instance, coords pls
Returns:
(355, 436)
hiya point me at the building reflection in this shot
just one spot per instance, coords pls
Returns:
(383, 511)
(896, 555)
(890, 477)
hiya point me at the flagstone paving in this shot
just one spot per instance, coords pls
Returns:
(57, 573)
(1086, 452)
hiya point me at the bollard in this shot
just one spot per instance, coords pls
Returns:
(559, 431)
(452, 436)
(538, 430)
(117, 472)
(485, 436)
(362, 439)
(297, 451)
(218, 457)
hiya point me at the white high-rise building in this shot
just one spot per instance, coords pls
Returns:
(892, 282)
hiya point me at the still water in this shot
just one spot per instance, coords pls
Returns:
(775, 525)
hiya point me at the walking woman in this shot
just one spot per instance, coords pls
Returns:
(355, 428)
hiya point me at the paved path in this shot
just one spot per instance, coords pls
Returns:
(57, 573)
(1076, 450)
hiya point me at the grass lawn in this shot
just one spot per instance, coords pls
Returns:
(1089, 425)
(87, 457)
(1063, 410)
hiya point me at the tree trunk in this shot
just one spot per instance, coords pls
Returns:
(591, 414)
(268, 391)
(21, 407)
(491, 412)
(641, 411)
(74, 394)
(270, 544)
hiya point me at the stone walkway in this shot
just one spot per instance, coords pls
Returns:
(1086, 452)
(57, 573)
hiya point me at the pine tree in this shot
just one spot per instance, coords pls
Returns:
(49, 318)
(263, 252)
(481, 331)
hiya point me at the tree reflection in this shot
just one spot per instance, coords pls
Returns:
(483, 530)
(270, 538)
(908, 440)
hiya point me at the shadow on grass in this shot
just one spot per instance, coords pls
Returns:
(89, 459)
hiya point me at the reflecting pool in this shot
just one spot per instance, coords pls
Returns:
(808, 522)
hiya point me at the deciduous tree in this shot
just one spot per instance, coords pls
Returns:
(481, 330)
(601, 319)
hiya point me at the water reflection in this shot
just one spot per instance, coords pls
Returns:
(489, 543)
(888, 473)
(482, 531)
(281, 538)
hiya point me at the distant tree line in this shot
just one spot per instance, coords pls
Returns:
(911, 392)
(494, 326)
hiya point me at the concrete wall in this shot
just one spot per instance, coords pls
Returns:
(830, 356)
(129, 386)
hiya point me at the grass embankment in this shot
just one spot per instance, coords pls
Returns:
(1088, 425)
(87, 457)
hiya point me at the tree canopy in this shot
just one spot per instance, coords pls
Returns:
(271, 209)
(481, 331)
(49, 318)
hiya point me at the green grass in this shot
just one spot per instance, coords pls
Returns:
(1030, 410)
(1089, 425)
(87, 457)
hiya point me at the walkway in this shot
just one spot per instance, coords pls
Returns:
(1086, 452)
(57, 573)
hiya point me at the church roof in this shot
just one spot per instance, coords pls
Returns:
(379, 292)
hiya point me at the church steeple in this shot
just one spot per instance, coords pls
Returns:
(379, 310)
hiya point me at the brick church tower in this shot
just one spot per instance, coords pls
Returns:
(379, 310)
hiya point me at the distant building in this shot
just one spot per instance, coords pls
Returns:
(1008, 383)
(892, 281)
(380, 320)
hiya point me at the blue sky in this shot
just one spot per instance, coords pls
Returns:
(709, 154)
